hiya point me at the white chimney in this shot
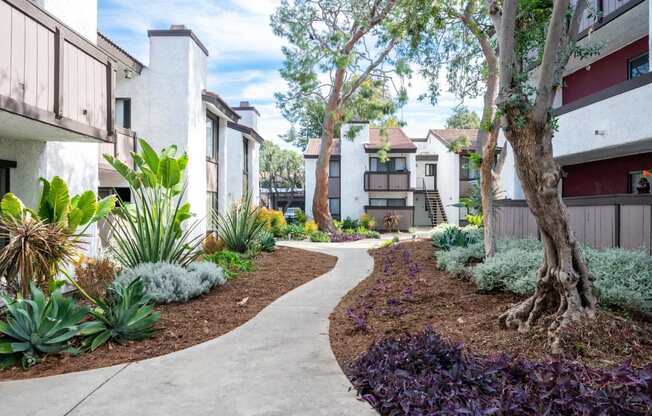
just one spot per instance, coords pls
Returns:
(248, 113)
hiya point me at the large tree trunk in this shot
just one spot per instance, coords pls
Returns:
(563, 281)
(320, 211)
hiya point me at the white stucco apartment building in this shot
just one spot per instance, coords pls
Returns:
(420, 180)
(69, 94)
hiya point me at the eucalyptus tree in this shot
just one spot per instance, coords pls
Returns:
(334, 48)
(463, 118)
(459, 41)
(536, 39)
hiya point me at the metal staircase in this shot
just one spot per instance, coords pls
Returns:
(434, 206)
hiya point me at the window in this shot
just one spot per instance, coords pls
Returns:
(431, 169)
(123, 194)
(638, 66)
(637, 183)
(123, 113)
(394, 164)
(334, 207)
(334, 169)
(467, 171)
(387, 202)
(211, 210)
(245, 166)
(212, 137)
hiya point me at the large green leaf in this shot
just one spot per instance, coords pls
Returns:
(59, 200)
(11, 205)
(123, 170)
(104, 207)
(169, 172)
(87, 203)
(44, 207)
(149, 155)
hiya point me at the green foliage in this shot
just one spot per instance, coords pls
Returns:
(463, 118)
(57, 207)
(367, 221)
(150, 230)
(456, 260)
(267, 241)
(475, 220)
(301, 217)
(445, 236)
(241, 226)
(294, 232)
(350, 224)
(320, 237)
(280, 168)
(39, 325)
(232, 263)
(621, 277)
(124, 315)
(165, 282)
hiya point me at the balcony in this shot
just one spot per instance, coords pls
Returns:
(601, 12)
(387, 181)
(125, 143)
(405, 214)
(54, 84)
(609, 123)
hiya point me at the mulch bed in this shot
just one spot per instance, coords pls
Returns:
(406, 293)
(186, 324)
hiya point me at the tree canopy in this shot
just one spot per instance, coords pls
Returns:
(463, 118)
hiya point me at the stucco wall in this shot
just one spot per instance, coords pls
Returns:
(353, 165)
(234, 168)
(309, 166)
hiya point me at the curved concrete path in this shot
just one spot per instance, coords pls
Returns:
(278, 363)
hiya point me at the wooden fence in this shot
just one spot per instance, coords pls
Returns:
(598, 221)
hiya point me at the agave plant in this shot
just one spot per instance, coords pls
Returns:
(150, 229)
(125, 315)
(39, 325)
(241, 226)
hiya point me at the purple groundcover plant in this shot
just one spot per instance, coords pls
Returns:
(342, 238)
(423, 375)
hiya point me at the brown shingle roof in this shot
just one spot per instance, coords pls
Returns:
(398, 140)
(448, 136)
(312, 149)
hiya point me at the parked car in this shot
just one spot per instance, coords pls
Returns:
(291, 214)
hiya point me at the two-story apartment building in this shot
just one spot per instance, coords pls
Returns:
(420, 179)
(69, 94)
(604, 138)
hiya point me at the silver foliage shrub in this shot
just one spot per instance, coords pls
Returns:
(165, 282)
(455, 260)
(621, 277)
(447, 236)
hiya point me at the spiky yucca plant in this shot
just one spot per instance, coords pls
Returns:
(241, 226)
(35, 251)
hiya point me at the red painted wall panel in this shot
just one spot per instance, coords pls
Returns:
(603, 177)
(604, 73)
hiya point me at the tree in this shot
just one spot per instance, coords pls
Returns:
(463, 118)
(459, 39)
(536, 39)
(280, 169)
(371, 102)
(336, 46)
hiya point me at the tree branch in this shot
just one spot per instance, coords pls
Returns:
(549, 64)
(506, 47)
(363, 77)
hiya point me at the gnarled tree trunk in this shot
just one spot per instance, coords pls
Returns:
(563, 280)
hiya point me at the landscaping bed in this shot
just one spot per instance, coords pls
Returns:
(219, 311)
(407, 293)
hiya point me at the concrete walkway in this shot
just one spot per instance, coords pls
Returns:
(279, 363)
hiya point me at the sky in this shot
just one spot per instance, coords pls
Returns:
(244, 54)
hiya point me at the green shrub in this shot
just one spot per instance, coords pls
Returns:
(621, 277)
(320, 237)
(241, 226)
(301, 217)
(295, 232)
(367, 221)
(151, 229)
(267, 241)
(38, 325)
(350, 224)
(456, 260)
(165, 282)
(124, 315)
(370, 233)
(232, 263)
(447, 235)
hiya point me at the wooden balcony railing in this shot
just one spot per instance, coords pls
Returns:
(125, 143)
(405, 214)
(51, 74)
(387, 181)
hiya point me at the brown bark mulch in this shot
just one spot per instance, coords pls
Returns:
(186, 324)
(406, 293)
